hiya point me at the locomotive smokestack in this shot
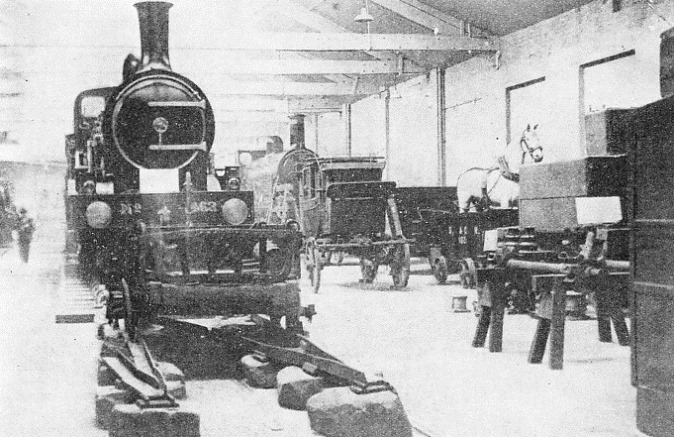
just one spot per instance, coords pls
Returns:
(154, 21)
(297, 131)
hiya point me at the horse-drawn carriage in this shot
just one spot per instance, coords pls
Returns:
(341, 205)
(452, 240)
(448, 224)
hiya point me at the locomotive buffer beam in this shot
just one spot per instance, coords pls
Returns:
(139, 374)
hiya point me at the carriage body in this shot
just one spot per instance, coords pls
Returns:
(342, 206)
(140, 218)
(344, 197)
(452, 240)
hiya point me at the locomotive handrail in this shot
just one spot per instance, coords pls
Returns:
(179, 147)
(200, 104)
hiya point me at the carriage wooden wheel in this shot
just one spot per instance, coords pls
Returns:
(467, 273)
(368, 269)
(440, 269)
(314, 264)
(400, 265)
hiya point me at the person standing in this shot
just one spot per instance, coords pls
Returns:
(25, 233)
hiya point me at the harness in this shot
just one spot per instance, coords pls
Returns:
(504, 167)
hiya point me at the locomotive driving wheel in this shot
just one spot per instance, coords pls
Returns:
(400, 265)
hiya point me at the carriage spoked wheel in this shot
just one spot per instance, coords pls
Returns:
(400, 265)
(467, 273)
(314, 264)
(440, 269)
(318, 266)
(368, 269)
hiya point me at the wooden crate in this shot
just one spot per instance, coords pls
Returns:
(592, 176)
(607, 132)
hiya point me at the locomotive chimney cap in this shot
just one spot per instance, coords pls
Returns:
(153, 1)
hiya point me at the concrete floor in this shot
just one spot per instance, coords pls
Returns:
(47, 371)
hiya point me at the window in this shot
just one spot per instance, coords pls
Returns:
(524, 106)
(611, 83)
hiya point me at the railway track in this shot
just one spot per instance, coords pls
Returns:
(76, 300)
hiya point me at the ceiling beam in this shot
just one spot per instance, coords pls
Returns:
(325, 42)
(279, 104)
(302, 12)
(222, 66)
(222, 89)
(426, 15)
(306, 17)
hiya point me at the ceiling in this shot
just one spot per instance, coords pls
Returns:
(259, 56)
(501, 17)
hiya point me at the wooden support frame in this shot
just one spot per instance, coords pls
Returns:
(326, 42)
(552, 319)
(492, 298)
(608, 309)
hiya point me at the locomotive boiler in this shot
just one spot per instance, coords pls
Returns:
(144, 220)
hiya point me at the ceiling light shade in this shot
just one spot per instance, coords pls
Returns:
(364, 16)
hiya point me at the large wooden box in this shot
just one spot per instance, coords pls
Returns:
(607, 132)
(652, 162)
(592, 176)
(552, 195)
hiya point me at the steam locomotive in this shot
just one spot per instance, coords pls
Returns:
(144, 219)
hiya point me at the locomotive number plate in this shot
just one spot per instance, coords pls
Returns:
(204, 206)
(128, 208)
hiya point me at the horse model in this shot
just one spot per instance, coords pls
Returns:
(481, 188)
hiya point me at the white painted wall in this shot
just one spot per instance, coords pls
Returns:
(412, 159)
(413, 134)
(476, 91)
(331, 139)
(554, 49)
(368, 127)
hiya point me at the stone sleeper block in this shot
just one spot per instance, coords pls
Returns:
(131, 421)
(339, 412)
(170, 371)
(295, 387)
(259, 374)
(176, 389)
(106, 399)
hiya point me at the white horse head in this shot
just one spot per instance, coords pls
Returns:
(527, 149)
(499, 185)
